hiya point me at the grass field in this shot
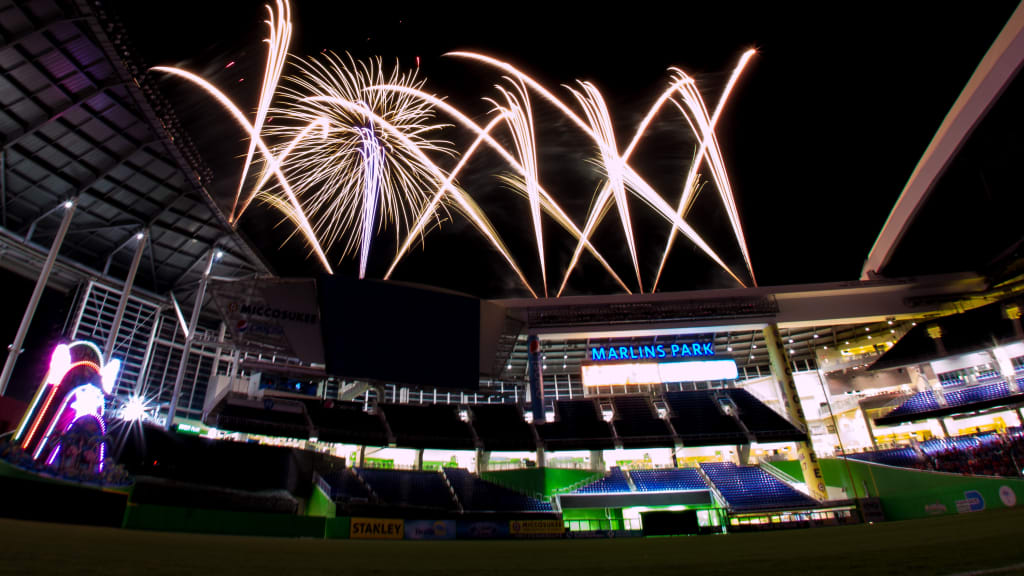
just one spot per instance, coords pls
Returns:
(946, 545)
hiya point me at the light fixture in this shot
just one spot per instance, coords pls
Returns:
(728, 348)
(68, 204)
(139, 235)
(790, 340)
(815, 335)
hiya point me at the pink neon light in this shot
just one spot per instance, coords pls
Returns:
(60, 363)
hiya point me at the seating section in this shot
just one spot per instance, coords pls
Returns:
(638, 425)
(578, 425)
(345, 485)
(481, 496)
(765, 424)
(409, 488)
(346, 422)
(902, 457)
(267, 417)
(698, 421)
(919, 402)
(749, 488)
(613, 483)
(989, 393)
(501, 427)
(428, 426)
(667, 480)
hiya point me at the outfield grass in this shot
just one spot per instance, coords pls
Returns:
(946, 545)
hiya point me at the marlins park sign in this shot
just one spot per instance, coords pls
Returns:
(655, 352)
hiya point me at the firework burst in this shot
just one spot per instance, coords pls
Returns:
(357, 179)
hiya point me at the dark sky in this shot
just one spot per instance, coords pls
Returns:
(819, 137)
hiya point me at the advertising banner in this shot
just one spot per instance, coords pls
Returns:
(272, 315)
(429, 529)
(536, 528)
(376, 529)
(481, 530)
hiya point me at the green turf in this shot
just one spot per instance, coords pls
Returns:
(944, 545)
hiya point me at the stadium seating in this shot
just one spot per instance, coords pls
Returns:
(667, 480)
(698, 422)
(346, 422)
(409, 488)
(637, 425)
(749, 487)
(428, 426)
(578, 425)
(919, 402)
(989, 393)
(481, 496)
(345, 485)
(765, 424)
(613, 483)
(501, 427)
(903, 457)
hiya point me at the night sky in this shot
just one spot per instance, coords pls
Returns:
(819, 137)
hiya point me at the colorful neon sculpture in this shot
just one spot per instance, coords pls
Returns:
(67, 410)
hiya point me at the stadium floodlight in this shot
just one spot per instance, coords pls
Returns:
(134, 409)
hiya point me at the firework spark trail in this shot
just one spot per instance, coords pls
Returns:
(601, 206)
(273, 166)
(373, 159)
(464, 202)
(547, 202)
(519, 117)
(428, 210)
(277, 53)
(333, 176)
(600, 120)
(638, 185)
(707, 138)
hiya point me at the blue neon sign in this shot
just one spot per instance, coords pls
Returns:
(653, 351)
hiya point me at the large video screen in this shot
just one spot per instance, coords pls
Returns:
(397, 333)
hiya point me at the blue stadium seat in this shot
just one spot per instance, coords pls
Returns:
(615, 482)
(749, 488)
(668, 480)
(479, 495)
(409, 488)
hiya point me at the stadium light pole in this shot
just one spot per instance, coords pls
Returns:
(179, 378)
(141, 237)
(44, 275)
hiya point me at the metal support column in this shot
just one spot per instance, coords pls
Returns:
(126, 291)
(37, 293)
(140, 383)
(783, 372)
(179, 378)
(3, 187)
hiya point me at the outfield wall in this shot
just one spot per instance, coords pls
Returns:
(906, 493)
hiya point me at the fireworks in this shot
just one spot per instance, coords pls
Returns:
(359, 178)
(357, 149)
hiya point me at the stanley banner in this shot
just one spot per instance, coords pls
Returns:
(376, 529)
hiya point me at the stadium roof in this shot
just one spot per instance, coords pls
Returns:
(78, 119)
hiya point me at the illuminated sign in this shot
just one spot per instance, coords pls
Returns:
(651, 373)
(376, 528)
(652, 352)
